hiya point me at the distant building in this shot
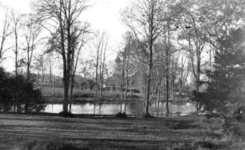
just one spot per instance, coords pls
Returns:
(115, 84)
(89, 85)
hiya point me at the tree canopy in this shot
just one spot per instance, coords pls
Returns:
(227, 78)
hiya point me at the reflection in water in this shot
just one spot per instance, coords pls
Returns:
(132, 108)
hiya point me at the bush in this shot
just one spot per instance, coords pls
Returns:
(20, 93)
(121, 115)
(68, 114)
(133, 96)
(87, 95)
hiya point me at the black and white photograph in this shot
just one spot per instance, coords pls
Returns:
(122, 74)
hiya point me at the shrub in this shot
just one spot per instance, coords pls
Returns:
(121, 115)
(19, 91)
(87, 95)
(69, 114)
(133, 96)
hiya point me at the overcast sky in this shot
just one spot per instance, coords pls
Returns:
(103, 15)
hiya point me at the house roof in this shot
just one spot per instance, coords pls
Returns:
(113, 82)
(88, 82)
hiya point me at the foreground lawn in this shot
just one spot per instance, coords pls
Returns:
(101, 133)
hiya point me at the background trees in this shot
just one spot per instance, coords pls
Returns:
(226, 85)
(32, 31)
(101, 47)
(28, 96)
(5, 30)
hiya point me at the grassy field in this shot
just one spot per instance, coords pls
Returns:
(16, 131)
(48, 91)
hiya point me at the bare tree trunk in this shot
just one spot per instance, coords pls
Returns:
(96, 76)
(126, 92)
(71, 91)
(98, 65)
(16, 22)
(123, 75)
(167, 84)
(6, 30)
(103, 68)
(16, 54)
(198, 78)
(50, 75)
(65, 60)
(149, 79)
(167, 69)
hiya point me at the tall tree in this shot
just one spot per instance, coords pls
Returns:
(40, 66)
(32, 38)
(80, 38)
(101, 47)
(205, 22)
(16, 28)
(5, 30)
(60, 18)
(226, 87)
(193, 31)
(144, 18)
(103, 65)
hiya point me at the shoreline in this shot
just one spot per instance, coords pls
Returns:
(78, 100)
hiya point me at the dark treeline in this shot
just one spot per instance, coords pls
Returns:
(17, 94)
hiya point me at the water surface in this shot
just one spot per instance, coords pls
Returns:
(132, 108)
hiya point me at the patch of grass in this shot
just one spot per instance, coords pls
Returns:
(51, 145)
(107, 133)
(148, 116)
(184, 146)
(181, 125)
(239, 145)
(198, 145)
(222, 133)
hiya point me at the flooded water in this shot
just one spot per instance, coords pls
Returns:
(132, 108)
